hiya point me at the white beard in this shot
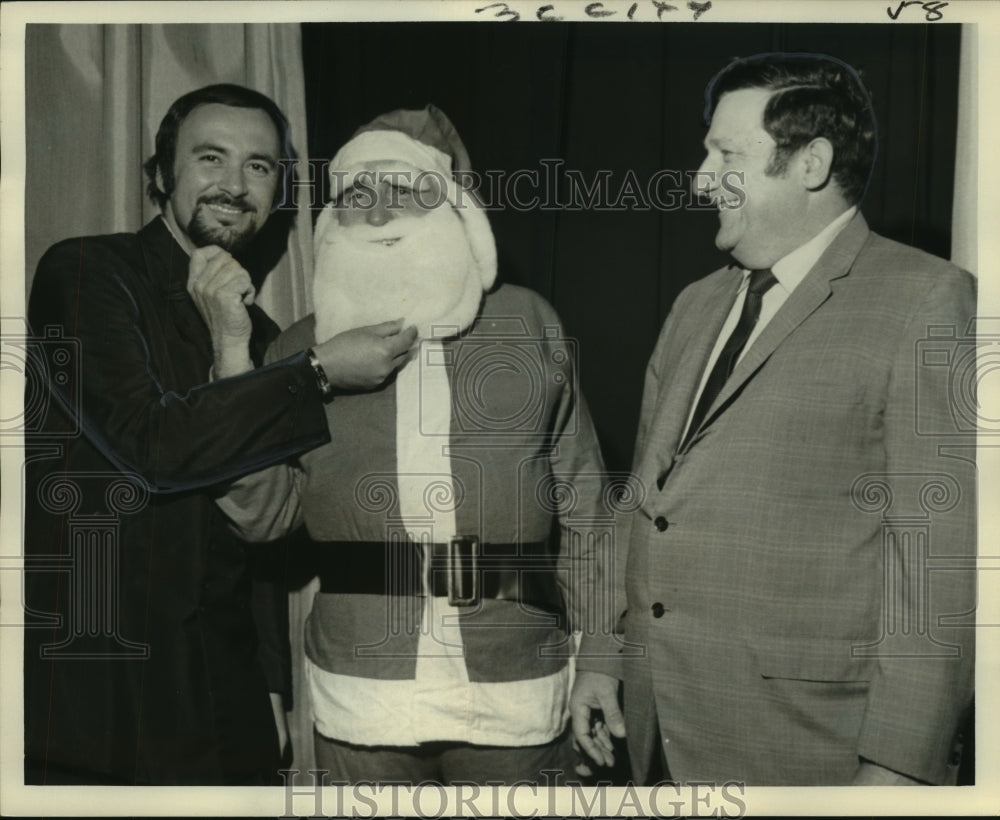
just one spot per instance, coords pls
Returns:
(428, 276)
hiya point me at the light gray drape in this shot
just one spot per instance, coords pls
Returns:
(964, 235)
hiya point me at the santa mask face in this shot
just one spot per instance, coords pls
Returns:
(387, 252)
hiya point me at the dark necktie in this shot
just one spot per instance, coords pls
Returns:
(760, 283)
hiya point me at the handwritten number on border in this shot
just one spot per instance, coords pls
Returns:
(505, 11)
(931, 8)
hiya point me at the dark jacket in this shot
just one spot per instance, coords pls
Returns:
(141, 658)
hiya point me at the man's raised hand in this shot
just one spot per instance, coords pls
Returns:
(221, 289)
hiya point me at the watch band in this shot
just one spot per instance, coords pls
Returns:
(322, 382)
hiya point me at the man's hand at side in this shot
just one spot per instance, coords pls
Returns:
(222, 289)
(363, 358)
(594, 691)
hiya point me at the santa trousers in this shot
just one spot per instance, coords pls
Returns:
(549, 764)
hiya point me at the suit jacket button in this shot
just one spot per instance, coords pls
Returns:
(660, 523)
(657, 610)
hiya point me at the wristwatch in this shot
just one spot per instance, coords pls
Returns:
(322, 382)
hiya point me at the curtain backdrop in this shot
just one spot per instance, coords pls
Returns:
(964, 237)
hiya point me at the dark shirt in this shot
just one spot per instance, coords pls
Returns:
(141, 661)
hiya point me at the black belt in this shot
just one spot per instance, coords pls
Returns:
(464, 571)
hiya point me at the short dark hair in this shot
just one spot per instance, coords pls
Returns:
(224, 94)
(814, 95)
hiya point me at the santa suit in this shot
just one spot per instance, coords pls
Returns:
(499, 446)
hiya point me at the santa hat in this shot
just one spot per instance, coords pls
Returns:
(413, 142)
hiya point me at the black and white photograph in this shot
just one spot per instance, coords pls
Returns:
(664, 489)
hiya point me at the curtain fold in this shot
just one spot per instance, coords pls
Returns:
(964, 229)
(274, 61)
(83, 134)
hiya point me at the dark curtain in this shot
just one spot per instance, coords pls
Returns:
(625, 100)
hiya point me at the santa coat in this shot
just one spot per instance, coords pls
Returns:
(516, 453)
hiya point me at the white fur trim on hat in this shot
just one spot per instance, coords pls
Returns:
(394, 151)
(384, 146)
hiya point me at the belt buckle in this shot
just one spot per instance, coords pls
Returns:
(463, 570)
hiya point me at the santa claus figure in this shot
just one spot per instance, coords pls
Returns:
(439, 646)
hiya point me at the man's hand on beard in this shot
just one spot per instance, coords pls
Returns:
(222, 289)
(363, 358)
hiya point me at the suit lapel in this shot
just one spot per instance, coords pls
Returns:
(673, 404)
(814, 289)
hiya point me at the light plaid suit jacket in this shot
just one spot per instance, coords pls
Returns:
(810, 600)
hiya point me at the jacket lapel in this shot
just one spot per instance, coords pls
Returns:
(814, 289)
(702, 323)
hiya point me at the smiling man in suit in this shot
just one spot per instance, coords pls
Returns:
(778, 629)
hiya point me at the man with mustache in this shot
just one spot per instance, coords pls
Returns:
(438, 647)
(141, 661)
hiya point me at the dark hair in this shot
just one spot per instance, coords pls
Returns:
(813, 96)
(224, 94)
